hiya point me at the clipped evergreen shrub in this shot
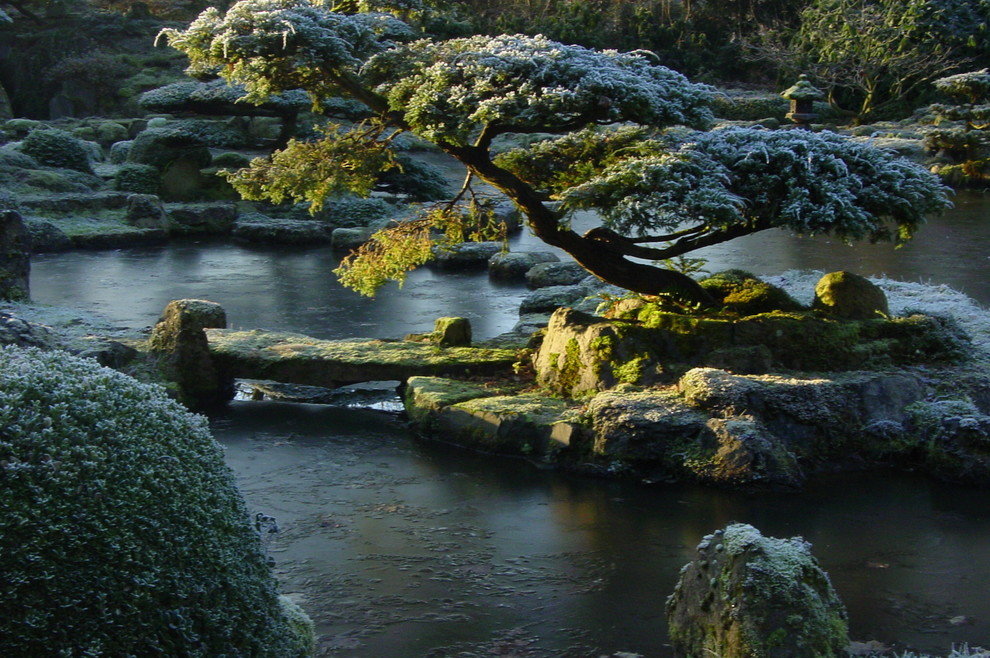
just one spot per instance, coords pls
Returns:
(57, 148)
(231, 160)
(121, 530)
(138, 178)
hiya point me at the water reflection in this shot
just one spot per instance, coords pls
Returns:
(407, 548)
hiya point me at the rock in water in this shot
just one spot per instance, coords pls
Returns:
(186, 359)
(748, 595)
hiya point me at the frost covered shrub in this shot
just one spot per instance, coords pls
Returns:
(57, 148)
(138, 178)
(121, 531)
(749, 107)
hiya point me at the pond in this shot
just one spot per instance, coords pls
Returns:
(402, 547)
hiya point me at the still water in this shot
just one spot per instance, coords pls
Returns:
(400, 547)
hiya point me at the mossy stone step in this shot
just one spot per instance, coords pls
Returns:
(298, 359)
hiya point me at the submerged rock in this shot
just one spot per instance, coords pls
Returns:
(748, 595)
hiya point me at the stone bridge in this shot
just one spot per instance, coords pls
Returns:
(203, 358)
(298, 359)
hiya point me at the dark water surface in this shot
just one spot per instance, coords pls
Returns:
(399, 547)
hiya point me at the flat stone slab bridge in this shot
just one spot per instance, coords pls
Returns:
(297, 359)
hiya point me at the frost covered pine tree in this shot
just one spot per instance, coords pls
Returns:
(660, 193)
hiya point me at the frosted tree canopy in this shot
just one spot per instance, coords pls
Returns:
(605, 115)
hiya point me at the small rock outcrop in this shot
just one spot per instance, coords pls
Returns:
(452, 332)
(581, 354)
(748, 595)
(850, 297)
(447, 332)
(15, 257)
(20, 332)
(180, 339)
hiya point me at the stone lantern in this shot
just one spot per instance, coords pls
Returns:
(802, 97)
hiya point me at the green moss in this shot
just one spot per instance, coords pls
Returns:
(570, 371)
(428, 395)
(743, 293)
(631, 372)
(94, 226)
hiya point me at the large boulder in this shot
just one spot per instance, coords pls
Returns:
(123, 531)
(654, 434)
(180, 339)
(768, 423)
(747, 595)
(850, 297)
(647, 429)
(15, 257)
(46, 236)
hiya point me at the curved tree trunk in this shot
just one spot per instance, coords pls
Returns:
(596, 256)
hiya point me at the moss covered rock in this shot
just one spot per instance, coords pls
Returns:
(490, 419)
(185, 356)
(582, 354)
(745, 294)
(850, 297)
(747, 595)
(122, 530)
